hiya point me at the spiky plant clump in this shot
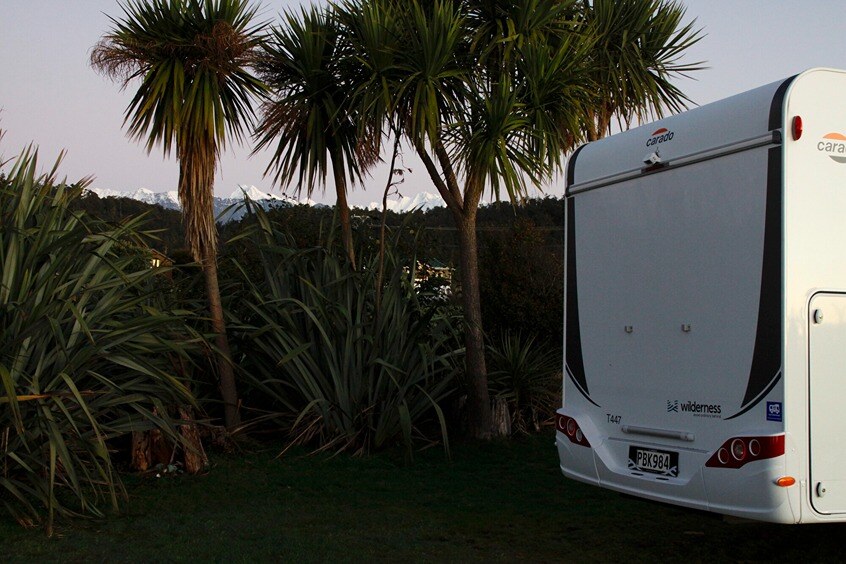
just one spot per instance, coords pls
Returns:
(86, 356)
(525, 375)
(343, 374)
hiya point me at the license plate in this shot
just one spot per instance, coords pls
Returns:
(654, 461)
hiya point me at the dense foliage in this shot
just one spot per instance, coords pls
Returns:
(339, 344)
(96, 356)
(525, 376)
(343, 372)
(88, 348)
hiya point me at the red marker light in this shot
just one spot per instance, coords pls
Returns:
(797, 127)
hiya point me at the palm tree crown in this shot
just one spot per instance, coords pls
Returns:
(191, 57)
(637, 50)
(308, 116)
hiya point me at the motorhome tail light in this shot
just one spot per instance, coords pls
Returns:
(797, 127)
(571, 430)
(738, 451)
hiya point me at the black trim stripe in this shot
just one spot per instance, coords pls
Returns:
(766, 358)
(573, 346)
(777, 105)
(571, 169)
(760, 397)
(579, 387)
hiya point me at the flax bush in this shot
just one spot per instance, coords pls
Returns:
(342, 373)
(86, 349)
(525, 374)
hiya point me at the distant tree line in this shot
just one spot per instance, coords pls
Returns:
(521, 249)
(165, 225)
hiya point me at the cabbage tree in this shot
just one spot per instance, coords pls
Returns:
(492, 94)
(191, 59)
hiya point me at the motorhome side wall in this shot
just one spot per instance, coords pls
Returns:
(815, 281)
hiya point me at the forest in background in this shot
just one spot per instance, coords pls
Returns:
(521, 249)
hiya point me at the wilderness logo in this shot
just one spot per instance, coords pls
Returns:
(711, 410)
(834, 145)
(661, 136)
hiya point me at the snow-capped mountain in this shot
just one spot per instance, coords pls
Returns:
(225, 209)
(257, 195)
(422, 201)
(169, 200)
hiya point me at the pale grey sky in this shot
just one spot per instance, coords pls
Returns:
(50, 96)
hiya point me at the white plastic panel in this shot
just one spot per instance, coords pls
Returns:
(814, 253)
(827, 329)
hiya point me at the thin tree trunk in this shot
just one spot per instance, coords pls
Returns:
(343, 206)
(197, 161)
(382, 225)
(480, 421)
(226, 376)
(478, 398)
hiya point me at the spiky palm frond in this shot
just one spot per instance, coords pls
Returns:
(638, 47)
(308, 115)
(309, 118)
(494, 86)
(499, 26)
(432, 74)
(191, 57)
(370, 44)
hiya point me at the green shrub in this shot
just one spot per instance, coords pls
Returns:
(526, 375)
(343, 374)
(85, 353)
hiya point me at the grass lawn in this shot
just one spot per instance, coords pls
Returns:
(503, 501)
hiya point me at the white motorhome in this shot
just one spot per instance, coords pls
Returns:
(705, 310)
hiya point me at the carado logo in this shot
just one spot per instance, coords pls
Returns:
(661, 135)
(833, 145)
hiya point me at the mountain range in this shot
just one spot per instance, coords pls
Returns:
(226, 208)
(422, 201)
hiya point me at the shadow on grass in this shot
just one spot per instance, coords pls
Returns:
(502, 501)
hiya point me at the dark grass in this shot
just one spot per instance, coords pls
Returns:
(504, 501)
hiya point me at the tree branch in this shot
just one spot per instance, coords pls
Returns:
(453, 203)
